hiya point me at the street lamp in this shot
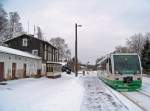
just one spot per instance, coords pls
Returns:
(76, 49)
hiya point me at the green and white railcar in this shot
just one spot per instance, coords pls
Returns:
(121, 71)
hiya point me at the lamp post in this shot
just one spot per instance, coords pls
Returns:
(76, 49)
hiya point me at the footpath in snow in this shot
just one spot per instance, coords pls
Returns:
(98, 98)
(68, 93)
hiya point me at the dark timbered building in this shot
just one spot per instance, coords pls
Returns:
(35, 46)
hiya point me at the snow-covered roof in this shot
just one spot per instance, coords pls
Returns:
(103, 59)
(17, 52)
(109, 55)
(61, 63)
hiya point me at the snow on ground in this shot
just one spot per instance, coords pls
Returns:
(142, 97)
(146, 85)
(62, 94)
(68, 93)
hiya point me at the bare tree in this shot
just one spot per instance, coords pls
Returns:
(68, 54)
(121, 49)
(15, 27)
(64, 51)
(135, 43)
(39, 33)
(147, 36)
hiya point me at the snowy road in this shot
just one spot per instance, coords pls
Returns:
(67, 93)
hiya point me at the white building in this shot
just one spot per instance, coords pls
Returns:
(18, 64)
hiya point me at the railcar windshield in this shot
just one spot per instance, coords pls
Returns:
(126, 64)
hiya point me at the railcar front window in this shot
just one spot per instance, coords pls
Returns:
(126, 64)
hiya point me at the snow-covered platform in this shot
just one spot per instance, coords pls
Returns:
(84, 93)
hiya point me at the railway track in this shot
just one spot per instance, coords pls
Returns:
(107, 87)
(134, 101)
(143, 93)
(129, 98)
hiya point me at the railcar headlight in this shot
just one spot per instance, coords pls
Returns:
(138, 72)
(117, 72)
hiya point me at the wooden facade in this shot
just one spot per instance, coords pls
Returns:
(35, 46)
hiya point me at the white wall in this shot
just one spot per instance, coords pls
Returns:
(31, 65)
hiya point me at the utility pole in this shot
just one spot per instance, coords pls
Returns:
(76, 49)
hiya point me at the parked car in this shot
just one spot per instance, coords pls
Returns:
(66, 69)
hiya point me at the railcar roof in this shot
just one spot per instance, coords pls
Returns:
(109, 55)
(124, 54)
(17, 52)
(104, 59)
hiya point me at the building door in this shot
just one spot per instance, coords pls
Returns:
(13, 70)
(1, 71)
(24, 70)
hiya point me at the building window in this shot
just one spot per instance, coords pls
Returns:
(49, 56)
(35, 52)
(25, 42)
(50, 68)
(45, 55)
(45, 47)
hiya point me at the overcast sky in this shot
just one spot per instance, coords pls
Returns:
(105, 23)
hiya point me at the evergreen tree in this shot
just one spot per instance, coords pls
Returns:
(145, 58)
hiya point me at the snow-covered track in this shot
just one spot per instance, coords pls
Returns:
(110, 89)
(129, 98)
(116, 96)
(143, 93)
(134, 101)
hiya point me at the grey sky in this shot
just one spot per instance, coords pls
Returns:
(105, 23)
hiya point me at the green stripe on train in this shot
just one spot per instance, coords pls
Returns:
(120, 86)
